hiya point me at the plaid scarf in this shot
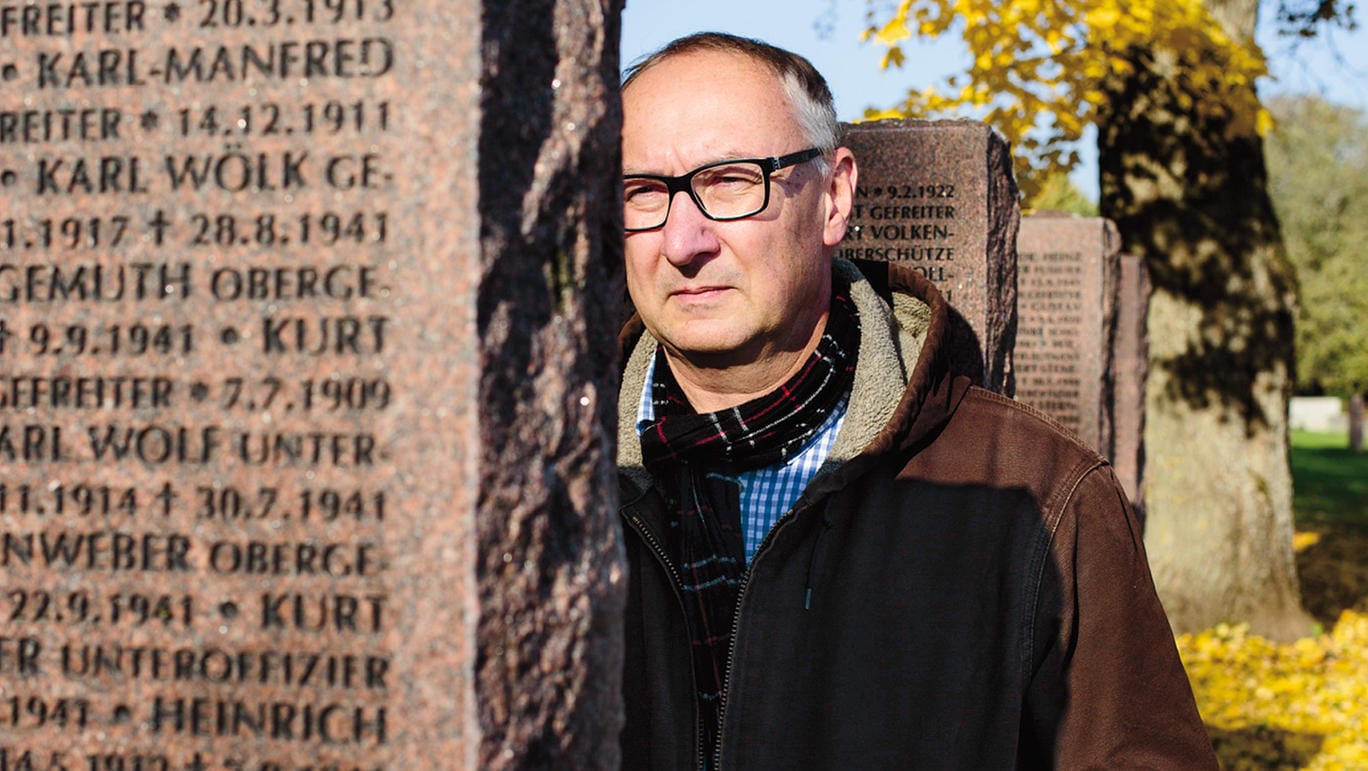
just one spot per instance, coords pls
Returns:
(696, 461)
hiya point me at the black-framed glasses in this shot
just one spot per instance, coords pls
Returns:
(724, 190)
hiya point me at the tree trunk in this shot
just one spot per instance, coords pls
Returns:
(1356, 423)
(1188, 190)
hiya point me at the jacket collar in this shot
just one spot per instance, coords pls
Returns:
(903, 390)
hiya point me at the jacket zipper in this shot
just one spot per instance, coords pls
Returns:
(658, 551)
(736, 625)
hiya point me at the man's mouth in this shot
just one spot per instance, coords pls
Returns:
(699, 291)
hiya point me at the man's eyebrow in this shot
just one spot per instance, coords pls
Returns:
(729, 155)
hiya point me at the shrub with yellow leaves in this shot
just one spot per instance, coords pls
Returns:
(1038, 66)
(1299, 705)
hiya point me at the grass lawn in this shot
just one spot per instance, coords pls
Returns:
(1330, 500)
(1330, 482)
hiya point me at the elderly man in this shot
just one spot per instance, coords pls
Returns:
(842, 554)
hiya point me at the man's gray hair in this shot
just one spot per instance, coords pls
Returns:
(805, 88)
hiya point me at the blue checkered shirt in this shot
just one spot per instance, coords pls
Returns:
(767, 493)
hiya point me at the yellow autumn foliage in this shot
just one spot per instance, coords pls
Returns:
(1270, 705)
(1037, 66)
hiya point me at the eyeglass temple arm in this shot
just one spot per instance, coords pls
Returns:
(794, 158)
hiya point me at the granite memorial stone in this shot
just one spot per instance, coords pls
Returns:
(1067, 280)
(939, 197)
(303, 386)
(1130, 365)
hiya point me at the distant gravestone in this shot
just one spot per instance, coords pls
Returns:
(1067, 273)
(276, 488)
(939, 197)
(1082, 351)
(1317, 413)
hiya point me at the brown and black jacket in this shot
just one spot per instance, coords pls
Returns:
(962, 586)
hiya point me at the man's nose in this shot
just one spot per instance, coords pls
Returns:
(687, 233)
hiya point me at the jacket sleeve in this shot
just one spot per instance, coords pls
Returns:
(1108, 690)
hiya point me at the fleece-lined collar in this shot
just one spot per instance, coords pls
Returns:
(903, 325)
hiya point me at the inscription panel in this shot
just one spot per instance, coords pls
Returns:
(232, 398)
(938, 197)
(1067, 284)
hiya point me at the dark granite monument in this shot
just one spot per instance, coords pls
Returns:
(939, 197)
(306, 376)
(1047, 307)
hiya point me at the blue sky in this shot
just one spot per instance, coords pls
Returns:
(827, 32)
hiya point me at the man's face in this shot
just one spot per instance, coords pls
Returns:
(723, 294)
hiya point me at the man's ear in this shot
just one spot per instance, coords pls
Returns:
(840, 196)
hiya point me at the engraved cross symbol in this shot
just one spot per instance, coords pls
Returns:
(148, 120)
(167, 496)
(159, 223)
(171, 11)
